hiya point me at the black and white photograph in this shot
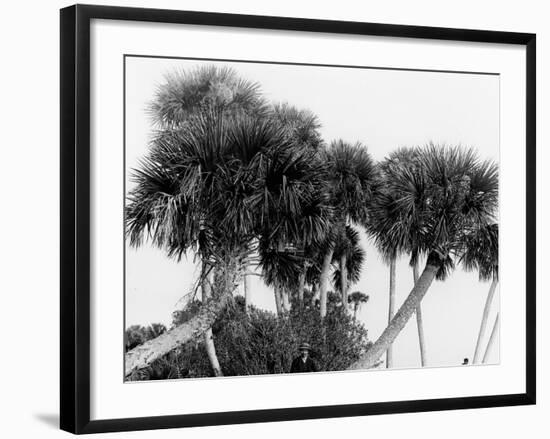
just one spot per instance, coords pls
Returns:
(275, 219)
(290, 218)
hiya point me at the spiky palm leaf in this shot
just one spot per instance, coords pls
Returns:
(397, 230)
(279, 268)
(302, 125)
(352, 175)
(481, 252)
(186, 92)
(446, 196)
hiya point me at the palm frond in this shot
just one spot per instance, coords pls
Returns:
(352, 177)
(184, 92)
(481, 252)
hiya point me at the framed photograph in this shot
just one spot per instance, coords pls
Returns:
(272, 218)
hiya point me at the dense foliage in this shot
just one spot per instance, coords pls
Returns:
(246, 184)
(260, 342)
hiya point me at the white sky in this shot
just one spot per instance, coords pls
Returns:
(384, 109)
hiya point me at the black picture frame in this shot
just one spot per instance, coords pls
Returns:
(75, 217)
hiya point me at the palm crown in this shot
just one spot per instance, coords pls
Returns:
(443, 200)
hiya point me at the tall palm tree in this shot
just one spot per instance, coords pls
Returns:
(384, 218)
(460, 193)
(217, 184)
(182, 96)
(393, 233)
(352, 173)
(348, 254)
(481, 254)
(283, 262)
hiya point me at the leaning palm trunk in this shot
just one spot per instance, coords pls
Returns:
(323, 281)
(344, 281)
(143, 355)
(420, 324)
(208, 336)
(484, 318)
(399, 320)
(492, 340)
(391, 310)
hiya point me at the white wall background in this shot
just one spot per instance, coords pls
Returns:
(29, 186)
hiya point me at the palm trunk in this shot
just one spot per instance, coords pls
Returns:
(314, 293)
(344, 280)
(391, 311)
(323, 281)
(399, 320)
(278, 300)
(484, 318)
(143, 355)
(492, 340)
(208, 336)
(247, 290)
(420, 324)
(286, 301)
(301, 286)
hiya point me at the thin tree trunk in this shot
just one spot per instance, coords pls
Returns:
(344, 280)
(314, 292)
(484, 318)
(278, 300)
(286, 301)
(492, 340)
(391, 311)
(399, 320)
(323, 281)
(208, 336)
(420, 324)
(247, 290)
(301, 285)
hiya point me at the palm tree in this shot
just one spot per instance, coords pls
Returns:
(357, 299)
(459, 193)
(283, 261)
(351, 175)
(349, 255)
(181, 97)
(481, 254)
(280, 270)
(393, 233)
(216, 185)
(184, 93)
(383, 219)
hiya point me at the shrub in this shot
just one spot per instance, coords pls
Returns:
(259, 342)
